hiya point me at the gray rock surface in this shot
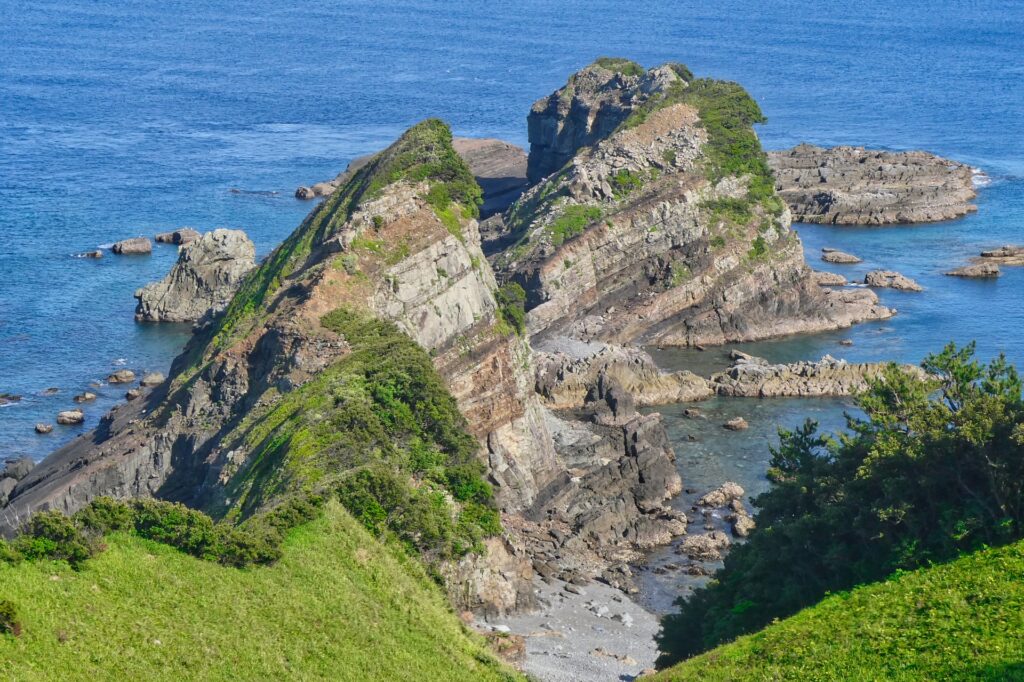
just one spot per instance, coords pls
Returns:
(180, 236)
(985, 270)
(828, 279)
(18, 468)
(888, 279)
(85, 397)
(835, 256)
(121, 376)
(857, 186)
(151, 379)
(754, 377)
(133, 246)
(208, 272)
(70, 417)
(43, 428)
(7, 486)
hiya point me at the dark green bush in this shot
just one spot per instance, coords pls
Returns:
(936, 469)
(627, 67)
(10, 623)
(511, 299)
(52, 535)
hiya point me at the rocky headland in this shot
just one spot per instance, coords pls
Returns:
(857, 186)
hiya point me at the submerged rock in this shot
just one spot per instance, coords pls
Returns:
(121, 376)
(208, 272)
(43, 428)
(857, 186)
(891, 280)
(133, 246)
(737, 424)
(9, 398)
(85, 397)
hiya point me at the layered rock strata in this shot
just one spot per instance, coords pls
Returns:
(208, 272)
(857, 186)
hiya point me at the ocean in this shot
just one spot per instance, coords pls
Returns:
(119, 120)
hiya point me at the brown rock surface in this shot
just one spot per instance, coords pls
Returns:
(888, 279)
(133, 246)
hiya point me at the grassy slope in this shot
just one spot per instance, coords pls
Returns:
(958, 621)
(339, 605)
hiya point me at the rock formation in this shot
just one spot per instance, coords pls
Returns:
(499, 168)
(754, 377)
(181, 236)
(70, 417)
(133, 246)
(888, 279)
(828, 279)
(208, 272)
(1005, 255)
(857, 186)
(983, 270)
(841, 257)
(641, 238)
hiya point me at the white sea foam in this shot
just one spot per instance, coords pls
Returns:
(980, 178)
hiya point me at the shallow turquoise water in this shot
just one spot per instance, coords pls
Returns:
(117, 120)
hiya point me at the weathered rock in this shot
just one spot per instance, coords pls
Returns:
(121, 376)
(9, 398)
(98, 253)
(70, 417)
(857, 186)
(724, 494)
(44, 428)
(741, 524)
(834, 256)
(1008, 254)
(891, 280)
(692, 413)
(564, 378)
(756, 378)
(133, 246)
(705, 547)
(132, 393)
(829, 279)
(208, 272)
(152, 379)
(52, 390)
(615, 247)
(18, 467)
(180, 236)
(977, 271)
(7, 486)
(85, 397)
(737, 424)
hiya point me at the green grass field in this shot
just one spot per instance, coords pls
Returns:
(339, 605)
(959, 621)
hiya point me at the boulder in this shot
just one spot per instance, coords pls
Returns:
(98, 253)
(70, 417)
(208, 272)
(152, 379)
(9, 398)
(737, 424)
(133, 246)
(18, 467)
(182, 236)
(741, 524)
(121, 376)
(888, 279)
(133, 393)
(85, 397)
(722, 495)
(857, 186)
(705, 547)
(977, 271)
(44, 428)
(836, 256)
(828, 279)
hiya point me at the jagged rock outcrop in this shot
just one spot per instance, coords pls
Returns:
(857, 186)
(208, 272)
(641, 237)
(889, 279)
(564, 379)
(499, 169)
(754, 377)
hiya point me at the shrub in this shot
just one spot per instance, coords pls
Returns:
(758, 249)
(511, 299)
(934, 470)
(52, 535)
(626, 67)
(624, 182)
(572, 222)
(9, 621)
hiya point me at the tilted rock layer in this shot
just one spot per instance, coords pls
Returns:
(857, 186)
(208, 272)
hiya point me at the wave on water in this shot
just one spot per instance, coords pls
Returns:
(980, 178)
(255, 192)
(106, 246)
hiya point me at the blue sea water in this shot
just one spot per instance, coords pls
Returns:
(120, 119)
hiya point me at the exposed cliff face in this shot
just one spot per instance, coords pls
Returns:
(857, 186)
(208, 272)
(667, 229)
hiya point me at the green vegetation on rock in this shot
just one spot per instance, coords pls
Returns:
(511, 298)
(572, 222)
(338, 605)
(626, 67)
(934, 470)
(380, 428)
(958, 621)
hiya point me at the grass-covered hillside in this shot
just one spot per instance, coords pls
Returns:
(958, 621)
(338, 605)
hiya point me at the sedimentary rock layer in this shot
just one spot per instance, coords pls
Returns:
(857, 186)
